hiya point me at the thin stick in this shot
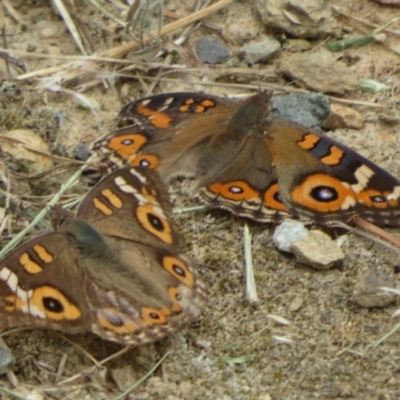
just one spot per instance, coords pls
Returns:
(362, 223)
(125, 48)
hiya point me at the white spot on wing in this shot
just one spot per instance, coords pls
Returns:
(125, 187)
(5, 273)
(23, 294)
(394, 195)
(363, 175)
(12, 282)
(349, 202)
(138, 175)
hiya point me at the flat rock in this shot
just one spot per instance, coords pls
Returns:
(320, 72)
(318, 250)
(299, 18)
(367, 293)
(21, 152)
(344, 117)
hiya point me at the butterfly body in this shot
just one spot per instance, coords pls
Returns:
(116, 269)
(252, 163)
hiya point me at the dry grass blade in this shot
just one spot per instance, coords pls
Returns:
(14, 394)
(13, 12)
(362, 21)
(18, 238)
(189, 209)
(375, 230)
(80, 348)
(61, 367)
(251, 289)
(339, 45)
(70, 24)
(141, 380)
(96, 4)
(125, 48)
(384, 337)
(89, 370)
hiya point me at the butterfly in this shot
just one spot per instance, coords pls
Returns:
(115, 269)
(249, 162)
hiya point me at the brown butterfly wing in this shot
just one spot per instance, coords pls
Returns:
(266, 168)
(147, 287)
(119, 274)
(321, 180)
(41, 286)
(166, 132)
(236, 170)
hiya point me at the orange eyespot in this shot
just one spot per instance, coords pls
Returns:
(178, 268)
(126, 145)
(236, 190)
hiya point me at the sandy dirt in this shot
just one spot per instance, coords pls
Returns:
(236, 350)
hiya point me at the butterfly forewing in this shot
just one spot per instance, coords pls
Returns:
(153, 132)
(116, 269)
(132, 196)
(251, 163)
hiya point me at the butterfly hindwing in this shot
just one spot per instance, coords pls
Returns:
(116, 269)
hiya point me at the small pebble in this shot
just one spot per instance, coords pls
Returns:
(82, 152)
(288, 232)
(49, 29)
(7, 359)
(318, 250)
(296, 303)
(367, 293)
(260, 51)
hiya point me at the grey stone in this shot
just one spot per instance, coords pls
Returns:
(210, 50)
(287, 232)
(82, 152)
(260, 51)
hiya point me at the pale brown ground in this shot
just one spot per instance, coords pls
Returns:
(328, 356)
